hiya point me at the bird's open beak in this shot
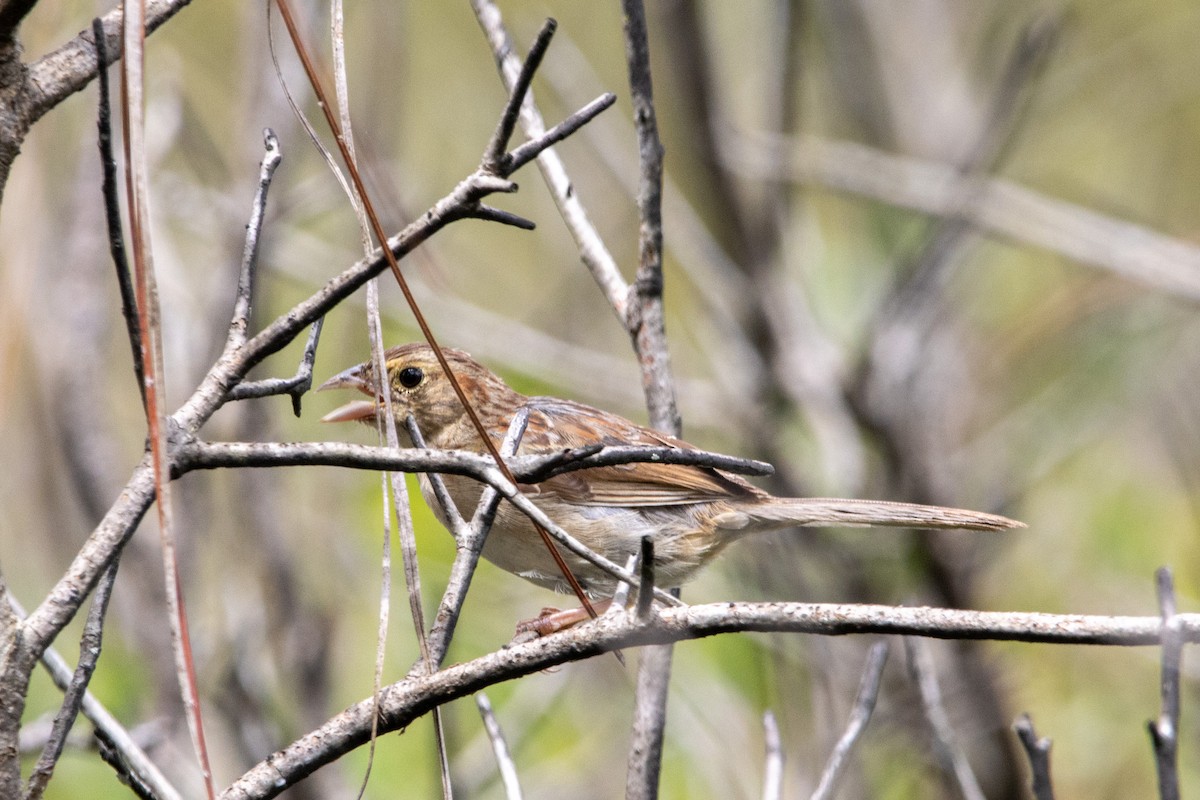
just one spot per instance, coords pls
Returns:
(357, 409)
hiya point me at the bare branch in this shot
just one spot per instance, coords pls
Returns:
(504, 762)
(57, 75)
(245, 288)
(1038, 751)
(405, 701)
(533, 148)
(112, 212)
(1000, 207)
(864, 706)
(89, 654)
(954, 760)
(1164, 734)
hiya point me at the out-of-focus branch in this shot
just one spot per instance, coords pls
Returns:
(406, 700)
(1038, 751)
(999, 207)
(954, 760)
(864, 706)
(773, 766)
(504, 761)
(1164, 733)
(592, 250)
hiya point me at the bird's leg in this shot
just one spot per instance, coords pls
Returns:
(552, 620)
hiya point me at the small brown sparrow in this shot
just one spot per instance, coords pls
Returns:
(691, 513)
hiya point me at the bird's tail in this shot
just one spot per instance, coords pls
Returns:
(832, 513)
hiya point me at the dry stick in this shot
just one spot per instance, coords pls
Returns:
(89, 654)
(1038, 751)
(1164, 734)
(954, 760)
(534, 57)
(150, 332)
(130, 761)
(864, 706)
(504, 762)
(239, 325)
(194, 454)
(773, 758)
(112, 209)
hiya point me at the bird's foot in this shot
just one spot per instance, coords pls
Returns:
(553, 620)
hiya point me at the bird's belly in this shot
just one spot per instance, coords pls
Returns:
(514, 544)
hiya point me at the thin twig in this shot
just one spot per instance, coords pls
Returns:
(242, 305)
(954, 760)
(494, 156)
(525, 153)
(1038, 751)
(1164, 733)
(301, 382)
(504, 762)
(112, 210)
(772, 758)
(864, 706)
(646, 575)
(89, 654)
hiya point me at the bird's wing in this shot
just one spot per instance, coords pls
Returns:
(563, 424)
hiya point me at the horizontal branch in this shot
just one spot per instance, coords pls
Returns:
(998, 206)
(406, 700)
(527, 469)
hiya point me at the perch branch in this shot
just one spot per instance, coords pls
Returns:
(406, 700)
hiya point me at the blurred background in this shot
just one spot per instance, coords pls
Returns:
(931, 251)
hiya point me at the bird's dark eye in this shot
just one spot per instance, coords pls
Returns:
(410, 377)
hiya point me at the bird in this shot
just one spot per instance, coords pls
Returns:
(691, 513)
